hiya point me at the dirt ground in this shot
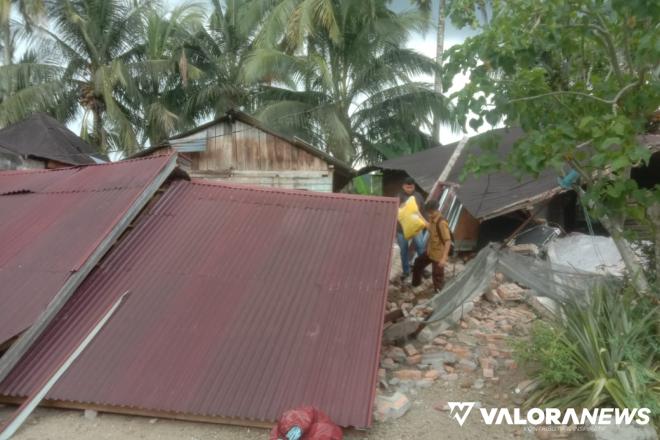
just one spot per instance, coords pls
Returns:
(421, 422)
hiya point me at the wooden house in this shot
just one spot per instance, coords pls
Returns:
(239, 148)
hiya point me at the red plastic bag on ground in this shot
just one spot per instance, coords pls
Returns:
(305, 423)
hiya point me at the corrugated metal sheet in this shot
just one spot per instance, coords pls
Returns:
(244, 302)
(50, 221)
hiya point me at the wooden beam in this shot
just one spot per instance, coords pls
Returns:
(9, 360)
(140, 412)
(29, 405)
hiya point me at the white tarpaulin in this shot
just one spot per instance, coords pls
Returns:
(587, 253)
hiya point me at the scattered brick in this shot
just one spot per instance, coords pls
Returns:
(510, 364)
(410, 350)
(408, 374)
(488, 373)
(440, 341)
(391, 407)
(432, 374)
(485, 362)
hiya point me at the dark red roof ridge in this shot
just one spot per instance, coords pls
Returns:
(46, 170)
(298, 192)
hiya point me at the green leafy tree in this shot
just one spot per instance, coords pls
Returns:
(352, 89)
(581, 78)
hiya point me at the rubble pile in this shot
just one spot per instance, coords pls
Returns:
(473, 353)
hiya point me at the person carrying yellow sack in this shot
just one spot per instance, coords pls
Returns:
(411, 205)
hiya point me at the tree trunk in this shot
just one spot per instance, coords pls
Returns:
(631, 261)
(654, 215)
(99, 133)
(439, 49)
(8, 49)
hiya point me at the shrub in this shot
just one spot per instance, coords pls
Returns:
(603, 352)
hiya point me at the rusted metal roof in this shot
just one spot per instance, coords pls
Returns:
(50, 223)
(244, 302)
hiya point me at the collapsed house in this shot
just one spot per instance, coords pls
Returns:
(239, 148)
(491, 206)
(41, 141)
(240, 301)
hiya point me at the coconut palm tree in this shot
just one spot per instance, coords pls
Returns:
(29, 10)
(34, 84)
(355, 93)
(97, 41)
(163, 72)
(220, 50)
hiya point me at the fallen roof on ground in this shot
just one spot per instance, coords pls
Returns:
(244, 302)
(484, 196)
(488, 195)
(52, 222)
(43, 136)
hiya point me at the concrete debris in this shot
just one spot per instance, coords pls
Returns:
(90, 414)
(391, 407)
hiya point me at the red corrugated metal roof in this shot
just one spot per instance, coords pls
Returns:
(244, 302)
(50, 221)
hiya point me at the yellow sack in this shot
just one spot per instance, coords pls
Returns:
(410, 218)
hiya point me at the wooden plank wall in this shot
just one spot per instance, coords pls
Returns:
(242, 147)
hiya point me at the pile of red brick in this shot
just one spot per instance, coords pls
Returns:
(478, 347)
